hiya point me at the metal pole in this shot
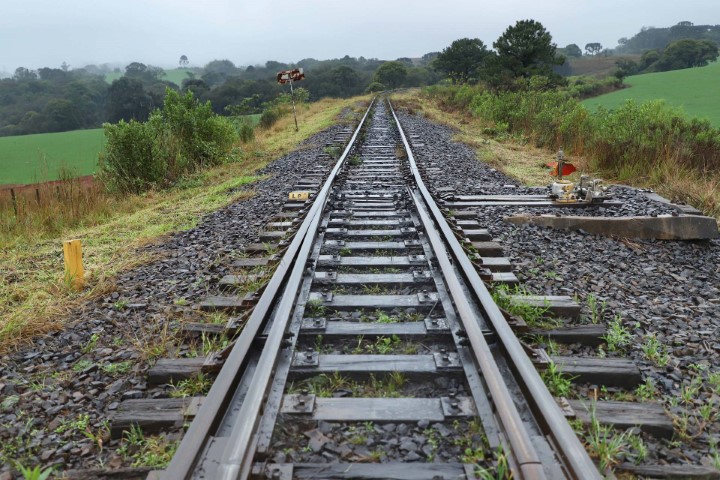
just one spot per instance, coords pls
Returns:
(292, 96)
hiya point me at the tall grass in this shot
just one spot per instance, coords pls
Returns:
(47, 209)
(647, 143)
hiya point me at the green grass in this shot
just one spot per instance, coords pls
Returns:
(41, 157)
(175, 75)
(692, 89)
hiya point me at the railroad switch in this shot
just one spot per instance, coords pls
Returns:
(586, 192)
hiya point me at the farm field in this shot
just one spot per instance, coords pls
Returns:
(692, 89)
(41, 157)
(175, 75)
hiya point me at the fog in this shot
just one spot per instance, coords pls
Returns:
(46, 33)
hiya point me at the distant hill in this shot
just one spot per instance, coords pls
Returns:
(650, 38)
(692, 89)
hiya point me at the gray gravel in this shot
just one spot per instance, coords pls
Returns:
(69, 382)
(669, 290)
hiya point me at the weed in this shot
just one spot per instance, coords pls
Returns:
(345, 252)
(557, 382)
(714, 382)
(315, 308)
(655, 351)
(92, 343)
(473, 455)
(374, 289)
(617, 336)
(597, 308)
(714, 454)
(117, 368)
(78, 425)
(410, 317)
(550, 345)
(153, 451)
(647, 390)
(603, 443)
(120, 305)
(180, 301)
(533, 316)
(82, 364)
(689, 391)
(501, 470)
(377, 455)
(196, 385)
(34, 473)
(383, 317)
(217, 318)
(333, 151)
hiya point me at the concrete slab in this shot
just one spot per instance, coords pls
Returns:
(662, 227)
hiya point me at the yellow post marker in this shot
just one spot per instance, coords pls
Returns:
(74, 272)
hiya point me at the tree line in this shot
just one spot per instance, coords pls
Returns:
(55, 100)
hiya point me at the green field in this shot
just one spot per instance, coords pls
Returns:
(41, 157)
(695, 90)
(175, 75)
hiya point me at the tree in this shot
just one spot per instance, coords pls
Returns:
(222, 66)
(22, 74)
(649, 58)
(687, 53)
(593, 48)
(145, 73)
(626, 68)
(391, 74)
(573, 50)
(62, 115)
(462, 59)
(428, 58)
(525, 50)
(127, 100)
(183, 61)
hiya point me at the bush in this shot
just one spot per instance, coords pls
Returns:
(269, 117)
(375, 87)
(246, 132)
(182, 137)
(634, 137)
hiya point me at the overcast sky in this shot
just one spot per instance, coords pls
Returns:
(38, 33)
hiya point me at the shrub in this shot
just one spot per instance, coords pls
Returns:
(246, 132)
(269, 117)
(181, 137)
(375, 87)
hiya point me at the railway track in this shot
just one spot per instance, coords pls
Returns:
(375, 350)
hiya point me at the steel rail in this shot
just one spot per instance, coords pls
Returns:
(572, 453)
(185, 458)
(518, 436)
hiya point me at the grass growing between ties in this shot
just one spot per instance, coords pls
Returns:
(327, 385)
(33, 297)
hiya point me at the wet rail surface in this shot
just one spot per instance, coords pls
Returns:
(375, 351)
